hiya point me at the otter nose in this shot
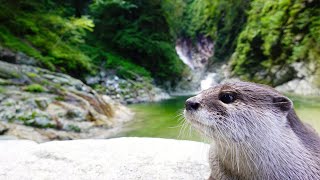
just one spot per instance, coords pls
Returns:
(192, 105)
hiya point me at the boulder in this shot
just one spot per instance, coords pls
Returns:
(41, 105)
(306, 81)
(112, 159)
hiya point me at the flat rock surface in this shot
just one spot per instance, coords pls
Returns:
(119, 158)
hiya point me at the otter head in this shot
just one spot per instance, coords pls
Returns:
(238, 111)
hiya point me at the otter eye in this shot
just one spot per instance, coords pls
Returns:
(227, 98)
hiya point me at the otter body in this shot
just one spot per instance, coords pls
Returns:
(256, 133)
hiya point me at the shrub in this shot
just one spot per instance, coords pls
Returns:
(125, 68)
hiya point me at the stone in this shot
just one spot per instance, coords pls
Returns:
(304, 84)
(112, 159)
(16, 58)
(125, 90)
(3, 129)
(74, 113)
(42, 121)
(67, 103)
(299, 86)
(42, 103)
(92, 80)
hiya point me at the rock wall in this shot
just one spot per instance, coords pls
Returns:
(41, 105)
(113, 159)
(195, 54)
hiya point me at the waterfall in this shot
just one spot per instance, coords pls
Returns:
(195, 54)
(209, 81)
(186, 59)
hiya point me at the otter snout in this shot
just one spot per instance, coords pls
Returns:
(191, 104)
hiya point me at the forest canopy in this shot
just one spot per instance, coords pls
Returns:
(131, 36)
(137, 38)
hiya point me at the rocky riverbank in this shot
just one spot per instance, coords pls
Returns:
(41, 105)
(126, 91)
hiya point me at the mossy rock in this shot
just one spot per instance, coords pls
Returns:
(37, 120)
(34, 88)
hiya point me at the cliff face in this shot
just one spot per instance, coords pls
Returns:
(41, 105)
(196, 55)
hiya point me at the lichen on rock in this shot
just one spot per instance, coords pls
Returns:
(41, 105)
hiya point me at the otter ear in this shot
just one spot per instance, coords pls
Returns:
(284, 103)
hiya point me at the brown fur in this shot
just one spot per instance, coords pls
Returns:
(258, 136)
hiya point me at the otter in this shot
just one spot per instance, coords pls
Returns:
(256, 133)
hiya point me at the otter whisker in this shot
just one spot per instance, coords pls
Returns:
(256, 131)
(182, 129)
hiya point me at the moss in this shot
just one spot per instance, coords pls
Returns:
(59, 98)
(99, 88)
(8, 103)
(32, 75)
(35, 88)
(2, 90)
(74, 128)
(45, 82)
(277, 34)
(317, 79)
(36, 120)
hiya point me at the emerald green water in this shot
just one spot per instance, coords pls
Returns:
(160, 119)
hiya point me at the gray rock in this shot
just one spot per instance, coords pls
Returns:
(299, 86)
(42, 121)
(49, 76)
(113, 159)
(92, 80)
(304, 84)
(74, 114)
(16, 58)
(42, 103)
(67, 103)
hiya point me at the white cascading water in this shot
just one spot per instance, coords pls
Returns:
(196, 56)
(185, 59)
(209, 81)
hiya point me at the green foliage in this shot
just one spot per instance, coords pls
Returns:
(31, 75)
(138, 30)
(175, 13)
(41, 30)
(221, 20)
(277, 34)
(62, 38)
(9, 40)
(125, 68)
(2, 90)
(35, 88)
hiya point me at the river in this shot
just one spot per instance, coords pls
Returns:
(161, 119)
